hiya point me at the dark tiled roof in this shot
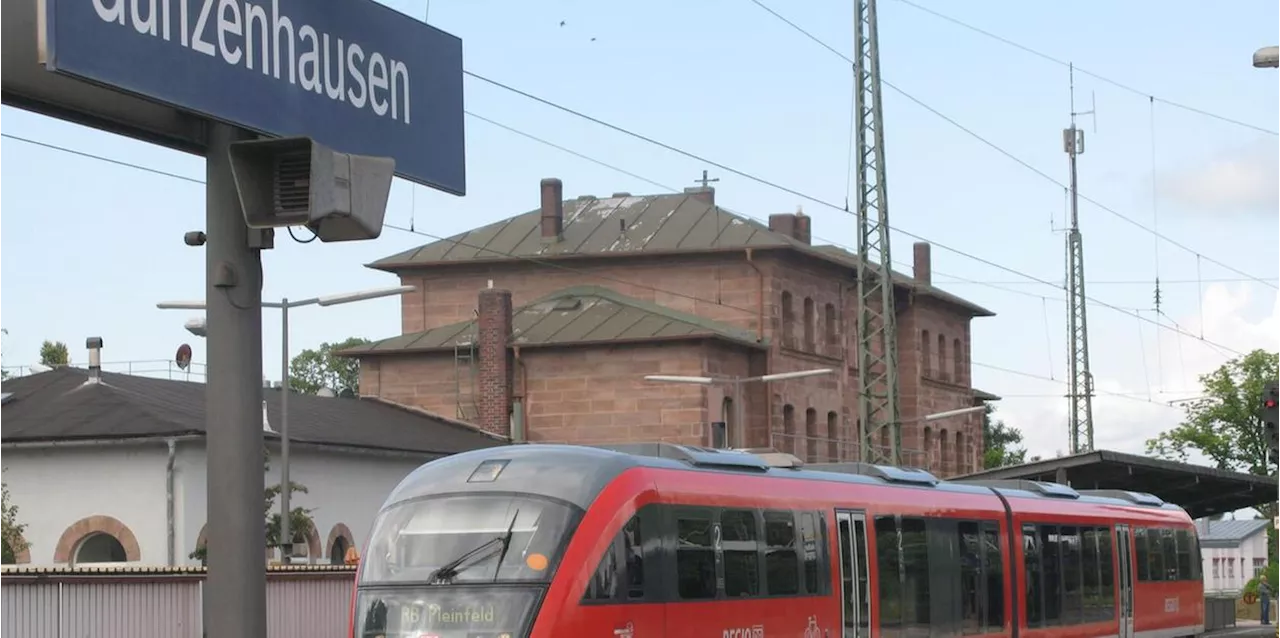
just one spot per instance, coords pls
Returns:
(631, 225)
(62, 405)
(577, 315)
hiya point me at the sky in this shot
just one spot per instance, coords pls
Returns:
(89, 247)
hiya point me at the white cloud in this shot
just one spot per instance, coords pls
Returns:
(1125, 423)
(1244, 181)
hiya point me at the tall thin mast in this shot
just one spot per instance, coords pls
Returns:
(1080, 399)
(877, 333)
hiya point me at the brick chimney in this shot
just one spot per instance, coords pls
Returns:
(802, 228)
(702, 193)
(922, 268)
(494, 333)
(783, 224)
(552, 209)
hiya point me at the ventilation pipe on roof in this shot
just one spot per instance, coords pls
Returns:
(94, 344)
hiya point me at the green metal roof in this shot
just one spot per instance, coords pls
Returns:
(617, 225)
(632, 225)
(577, 315)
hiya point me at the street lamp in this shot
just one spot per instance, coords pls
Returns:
(197, 327)
(737, 383)
(1267, 58)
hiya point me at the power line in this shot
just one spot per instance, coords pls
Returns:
(1117, 282)
(553, 264)
(692, 156)
(1004, 152)
(1115, 83)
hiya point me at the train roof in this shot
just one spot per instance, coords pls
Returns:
(578, 473)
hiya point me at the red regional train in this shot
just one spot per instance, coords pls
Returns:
(643, 540)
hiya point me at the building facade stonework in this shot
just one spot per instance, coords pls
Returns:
(550, 321)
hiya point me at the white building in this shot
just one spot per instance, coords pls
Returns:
(1233, 552)
(110, 468)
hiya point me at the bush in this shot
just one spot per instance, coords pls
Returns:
(1270, 572)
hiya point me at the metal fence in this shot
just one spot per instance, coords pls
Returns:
(302, 602)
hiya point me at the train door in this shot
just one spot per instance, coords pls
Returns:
(1124, 593)
(855, 586)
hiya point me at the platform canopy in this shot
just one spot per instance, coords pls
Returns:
(1202, 491)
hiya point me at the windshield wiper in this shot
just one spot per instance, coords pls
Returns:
(448, 571)
(506, 544)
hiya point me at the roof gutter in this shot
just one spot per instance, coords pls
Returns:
(75, 443)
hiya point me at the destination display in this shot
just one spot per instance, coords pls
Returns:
(445, 613)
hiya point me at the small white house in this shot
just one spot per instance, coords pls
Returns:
(110, 468)
(1233, 551)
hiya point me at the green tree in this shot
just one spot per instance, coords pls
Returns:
(13, 542)
(300, 521)
(319, 368)
(1000, 442)
(54, 353)
(1225, 424)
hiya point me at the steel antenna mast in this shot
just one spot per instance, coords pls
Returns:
(1080, 399)
(877, 334)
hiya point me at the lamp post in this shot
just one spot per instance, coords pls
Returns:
(738, 399)
(1267, 58)
(197, 327)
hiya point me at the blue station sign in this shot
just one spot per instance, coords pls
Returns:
(354, 75)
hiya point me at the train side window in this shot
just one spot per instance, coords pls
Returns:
(915, 574)
(741, 553)
(889, 576)
(1197, 562)
(993, 567)
(1170, 545)
(695, 554)
(1090, 570)
(1072, 596)
(782, 557)
(620, 574)
(970, 555)
(812, 546)
(1142, 555)
(604, 583)
(633, 557)
(1155, 554)
(1033, 562)
(1186, 547)
(1107, 575)
(1051, 561)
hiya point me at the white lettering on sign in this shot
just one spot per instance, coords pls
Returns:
(755, 631)
(240, 32)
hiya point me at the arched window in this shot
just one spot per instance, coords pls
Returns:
(788, 321)
(927, 452)
(942, 358)
(926, 354)
(789, 429)
(729, 418)
(338, 552)
(961, 457)
(832, 326)
(944, 452)
(99, 548)
(833, 436)
(811, 435)
(809, 320)
(958, 360)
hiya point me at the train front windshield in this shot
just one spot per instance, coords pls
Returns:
(460, 566)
